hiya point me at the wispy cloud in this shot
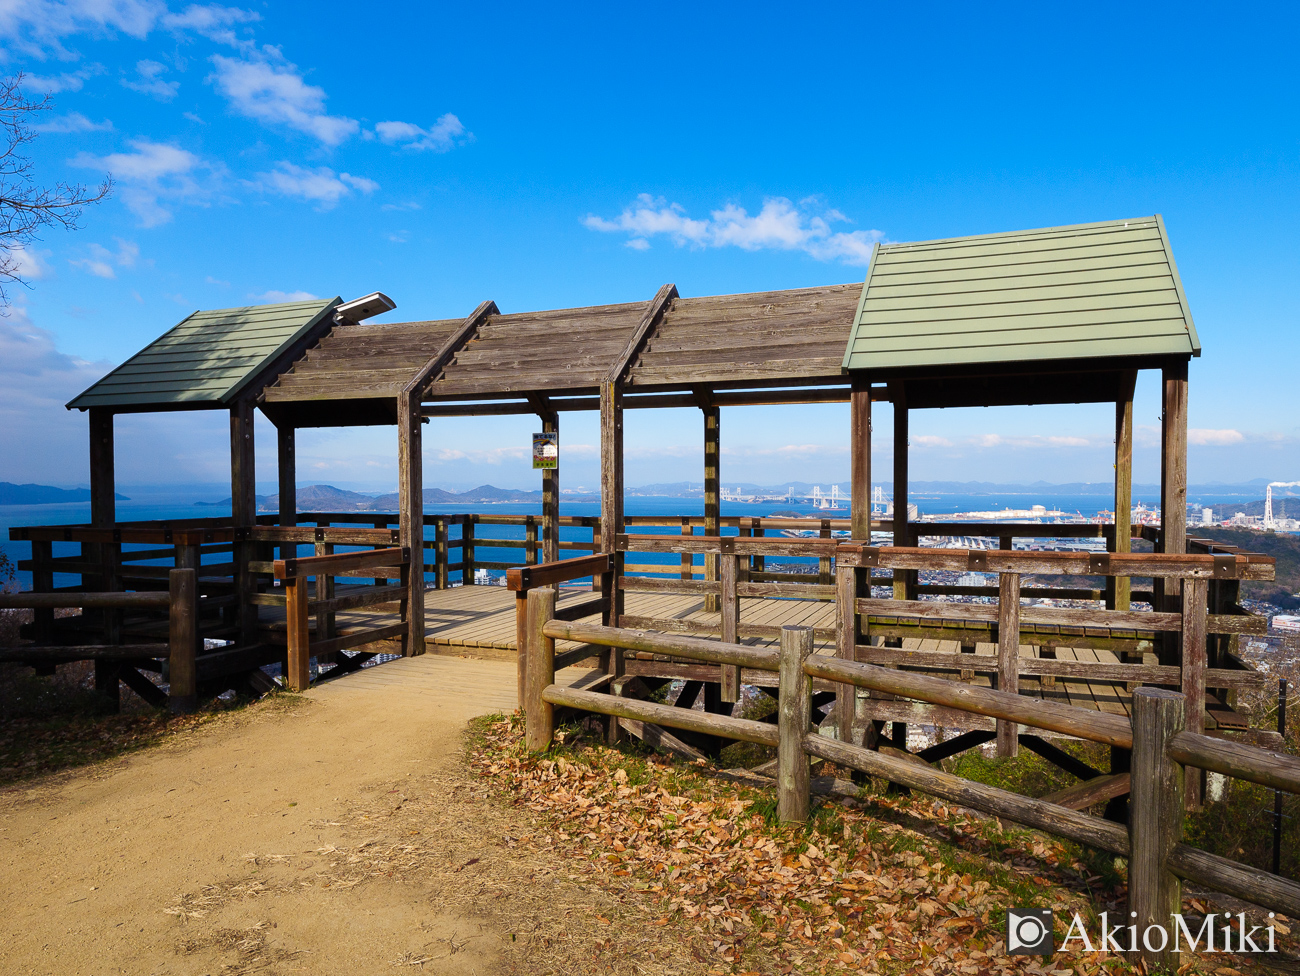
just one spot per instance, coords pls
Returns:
(1204, 437)
(273, 296)
(148, 81)
(409, 205)
(273, 92)
(440, 137)
(38, 28)
(101, 262)
(73, 122)
(320, 185)
(780, 225)
(155, 173)
(28, 264)
(67, 82)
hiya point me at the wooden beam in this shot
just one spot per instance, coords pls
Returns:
(653, 401)
(1122, 542)
(905, 580)
(102, 488)
(860, 459)
(421, 381)
(410, 491)
(1008, 655)
(611, 515)
(653, 313)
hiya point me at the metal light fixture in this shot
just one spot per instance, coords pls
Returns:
(360, 309)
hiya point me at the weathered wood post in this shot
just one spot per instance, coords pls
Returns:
(243, 515)
(688, 558)
(846, 591)
(824, 568)
(467, 551)
(183, 640)
(730, 610)
(530, 540)
(1008, 655)
(43, 582)
(541, 669)
(712, 489)
(1155, 824)
(551, 496)
(440, 550)
(297, 675)
(794, 719)
(1121, 586)
(325, 595)
(1193, 672)
(1173, 469)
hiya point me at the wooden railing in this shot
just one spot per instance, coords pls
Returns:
(114, 662)
(378, 564)
(1160, 746)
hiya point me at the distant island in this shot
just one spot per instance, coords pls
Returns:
(11, 494)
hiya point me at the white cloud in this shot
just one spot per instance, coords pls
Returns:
(276, 95)
(216, 281)
(148, 81)
(27, 264)
(274, 297)
(780, 225)
(1203, 437)
(320, 185)
(928, 440)
(101, 260)
(53, 84)
(440, 137)
(400, 236)
(37, 27)
(73, 122)
(212, 21)
(410, 205)
(156, 172)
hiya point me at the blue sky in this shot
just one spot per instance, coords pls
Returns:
(546, 158)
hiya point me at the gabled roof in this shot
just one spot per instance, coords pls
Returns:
(1107, 290)
(755, 339)
(209, 359)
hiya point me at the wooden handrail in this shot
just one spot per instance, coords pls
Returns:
(284, 569)
(526, 578)
(1275, 770)
(694, 648)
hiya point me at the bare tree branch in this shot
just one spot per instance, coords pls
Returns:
(25, 206)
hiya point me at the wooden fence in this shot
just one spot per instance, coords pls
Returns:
(1161, 748)
(114, 662)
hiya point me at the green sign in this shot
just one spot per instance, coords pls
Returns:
(546, 450)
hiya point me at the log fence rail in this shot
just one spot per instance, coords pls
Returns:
(1161, 747)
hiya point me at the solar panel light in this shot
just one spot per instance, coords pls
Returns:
(360, 309)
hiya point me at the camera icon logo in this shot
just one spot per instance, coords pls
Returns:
(1029, 932)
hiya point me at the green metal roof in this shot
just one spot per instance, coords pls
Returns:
(208, 359)
(1081, 292)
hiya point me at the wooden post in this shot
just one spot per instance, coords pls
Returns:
(847, 634)
(1122, 585)
(688, 559)
(760, 562)
(467, 551)
(1008, 655)
(904, 580)
(551, 497)
(325, 591)
(441, 553)
(103, 515)
(794, 719)
(410, 490)
(1155, 824)
(1193, 663)
(744, 530)
(285, 444)
(530, 541)
(730, 611)
(297, 674)
(824, 568)
(860, 458)
(1173, 466)
(540, 715)
(611, 511)
(243, 494)
(183, 640)
(712, 497)
(521, 648)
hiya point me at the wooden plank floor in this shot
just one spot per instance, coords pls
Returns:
(483, 618)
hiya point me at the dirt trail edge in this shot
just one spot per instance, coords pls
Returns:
(339, 833)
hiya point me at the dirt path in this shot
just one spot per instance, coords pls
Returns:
(339, 834)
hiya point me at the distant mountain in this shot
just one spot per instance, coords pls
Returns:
(11, 494)
(321, 498)
(482, 495)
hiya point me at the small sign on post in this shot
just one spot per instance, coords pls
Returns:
(546, 450)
